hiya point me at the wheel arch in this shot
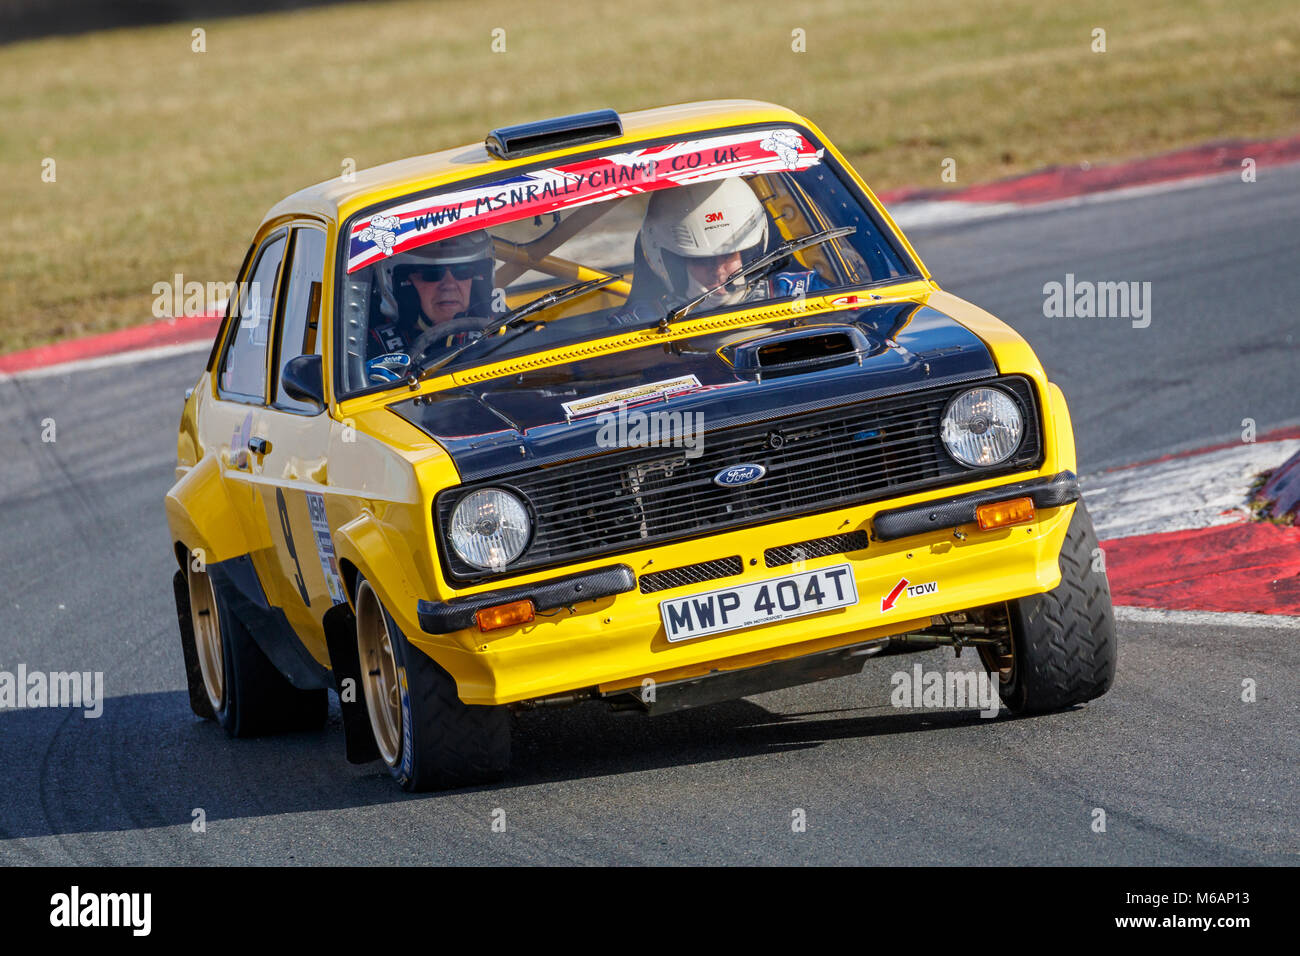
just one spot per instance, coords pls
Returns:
(201, 516)
(363, 549)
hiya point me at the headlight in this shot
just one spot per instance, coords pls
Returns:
(982, 427)
(489, 528)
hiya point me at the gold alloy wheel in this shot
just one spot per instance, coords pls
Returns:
(206, 622)
(1000, 659)
(379, 674)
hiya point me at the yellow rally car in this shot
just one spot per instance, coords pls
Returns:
(657, 409)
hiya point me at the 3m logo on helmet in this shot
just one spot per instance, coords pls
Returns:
(714, 217)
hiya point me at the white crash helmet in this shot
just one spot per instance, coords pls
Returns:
(701, 220)
(473, 246)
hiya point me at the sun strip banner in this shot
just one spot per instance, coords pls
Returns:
(409, 225)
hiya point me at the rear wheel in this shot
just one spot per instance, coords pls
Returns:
(1062, 646)
(428, 737)
(205, 619)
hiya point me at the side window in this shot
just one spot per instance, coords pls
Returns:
(299, 323)
(231, 306)
(243, 370)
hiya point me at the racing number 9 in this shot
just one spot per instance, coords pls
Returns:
(288, 542)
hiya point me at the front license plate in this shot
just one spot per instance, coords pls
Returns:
(762, 602)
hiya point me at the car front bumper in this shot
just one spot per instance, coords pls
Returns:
(596, 630)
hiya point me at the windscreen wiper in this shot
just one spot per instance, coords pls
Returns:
(513, 318)
(762, 262)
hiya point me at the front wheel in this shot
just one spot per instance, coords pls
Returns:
(1063, 645)
(429, 738)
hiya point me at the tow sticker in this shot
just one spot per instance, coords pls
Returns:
(325, 546)
(912, 590)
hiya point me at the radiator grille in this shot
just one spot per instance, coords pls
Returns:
(816, 548)
(691, 574)
(815, 461)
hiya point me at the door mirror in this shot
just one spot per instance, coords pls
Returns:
(302, 379)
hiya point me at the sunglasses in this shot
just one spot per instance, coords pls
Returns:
(460, 270)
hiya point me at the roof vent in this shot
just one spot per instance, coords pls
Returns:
(511, 142)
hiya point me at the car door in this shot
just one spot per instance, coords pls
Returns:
(294, 477)
(234, 417)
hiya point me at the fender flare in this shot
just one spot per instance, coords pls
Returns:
(1062, 429)
(200, 514)
(362, 547)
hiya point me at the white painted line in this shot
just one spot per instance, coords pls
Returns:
(923, 212)
(1151, 615)
(107, 361)
(1195, 491)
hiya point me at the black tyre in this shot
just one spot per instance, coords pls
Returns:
(1063, 642)
(236, 684)
(428, 737)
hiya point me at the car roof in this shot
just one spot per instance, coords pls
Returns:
(336, 199)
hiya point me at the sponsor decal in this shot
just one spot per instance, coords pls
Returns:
(407, 764)
(905, 586)
(329, 563)
(417, 222)
(786, 143)
(651, 391)
(382, 231)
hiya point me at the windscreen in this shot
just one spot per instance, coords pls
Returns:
(613, 241)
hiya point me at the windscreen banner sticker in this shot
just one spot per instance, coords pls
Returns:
(649, 392)
(409, 225)
(329, 563)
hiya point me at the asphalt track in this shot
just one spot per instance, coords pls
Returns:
(1185, 771)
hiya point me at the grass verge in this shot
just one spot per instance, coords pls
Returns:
(165, 158)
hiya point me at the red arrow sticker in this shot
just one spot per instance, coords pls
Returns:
(887, 602)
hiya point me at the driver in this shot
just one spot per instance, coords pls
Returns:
(443, 292)
(694, 236)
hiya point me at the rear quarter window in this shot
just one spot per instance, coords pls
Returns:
(243, 368)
